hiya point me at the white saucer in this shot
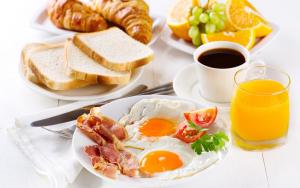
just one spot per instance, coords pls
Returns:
(187, 86)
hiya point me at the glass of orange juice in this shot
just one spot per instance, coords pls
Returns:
(260, 108)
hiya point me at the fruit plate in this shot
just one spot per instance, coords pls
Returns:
(92, 92)
(187, 47)
(41, 21)
(118, 109)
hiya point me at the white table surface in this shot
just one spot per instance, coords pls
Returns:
(275, 168)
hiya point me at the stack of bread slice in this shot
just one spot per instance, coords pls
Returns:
(107, 57)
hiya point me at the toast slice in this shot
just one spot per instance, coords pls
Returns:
(29, 48)
(47, 64)
(81, 67)
(114, 49)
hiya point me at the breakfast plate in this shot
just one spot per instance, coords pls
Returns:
(118, 109)
(86, 93)
(189, 48)
(188, 87)
(42, 22)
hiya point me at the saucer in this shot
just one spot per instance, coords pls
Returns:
(186, 85)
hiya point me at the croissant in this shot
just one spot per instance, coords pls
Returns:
(76, 16)
(131, 15)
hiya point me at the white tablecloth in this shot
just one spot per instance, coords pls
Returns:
(275, 168)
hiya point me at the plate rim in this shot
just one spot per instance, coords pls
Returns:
(189, 49)
(157, 182)
(43, 91)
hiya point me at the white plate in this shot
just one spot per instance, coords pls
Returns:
(189, 48)
(86, 93)
(186, 85)
(42, 22)
(116, 110)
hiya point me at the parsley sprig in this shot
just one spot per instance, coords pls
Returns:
(196, 127)
(210, 142)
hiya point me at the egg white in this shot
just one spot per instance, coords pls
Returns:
(171, 110)
(152, 108)
(192, 163)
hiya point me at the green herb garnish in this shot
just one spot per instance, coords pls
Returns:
(196, 127)
(210, 142)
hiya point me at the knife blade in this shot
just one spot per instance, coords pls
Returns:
(72, 115)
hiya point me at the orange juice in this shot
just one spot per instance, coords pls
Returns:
(259, 112)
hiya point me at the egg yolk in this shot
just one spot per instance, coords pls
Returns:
(157, 127)
(160, 161)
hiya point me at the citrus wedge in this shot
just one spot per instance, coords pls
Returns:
(262, 30)
(177, 19)
(243, 37)
(243, 15)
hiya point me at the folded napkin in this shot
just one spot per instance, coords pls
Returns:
(50, 154)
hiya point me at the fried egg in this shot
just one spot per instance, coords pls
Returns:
(169, 158)
(151, 119)
(151, 124)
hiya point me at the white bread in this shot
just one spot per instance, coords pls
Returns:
(48, 65)
(81, 67)
(29, 48)
(114, 49)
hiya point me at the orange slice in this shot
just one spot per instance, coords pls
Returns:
(243, 15)
(177, 19)
(262, 30)
(243, 37)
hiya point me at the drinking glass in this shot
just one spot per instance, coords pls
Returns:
(260, 107)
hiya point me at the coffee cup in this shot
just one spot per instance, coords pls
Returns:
(217, 80)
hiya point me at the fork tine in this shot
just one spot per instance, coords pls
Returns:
(157, 90)
(169, 92)
(167, 85)
(66, 133)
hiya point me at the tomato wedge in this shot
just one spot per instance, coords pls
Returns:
(203, 117)
(187, 134)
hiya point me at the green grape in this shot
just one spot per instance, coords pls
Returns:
(214, 18)
(196, 41)
(194, 32)
(222, 16)
(196, 11)
(220, 25)
(203, 18)
(194, 20)
(210, 28)
(219, 7)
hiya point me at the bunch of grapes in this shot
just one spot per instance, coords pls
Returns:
(206, 21)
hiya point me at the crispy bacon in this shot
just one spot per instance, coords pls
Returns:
(109, 155)
(107, 160)
(128, 163)
(99, 163)
(89, 132)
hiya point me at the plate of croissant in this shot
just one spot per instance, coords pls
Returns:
(73, 16)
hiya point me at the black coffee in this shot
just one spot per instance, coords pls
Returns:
(222, 58)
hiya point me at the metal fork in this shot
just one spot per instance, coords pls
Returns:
(165, 89)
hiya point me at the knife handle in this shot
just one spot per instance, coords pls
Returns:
(28, 119)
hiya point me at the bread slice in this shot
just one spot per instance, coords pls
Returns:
(48, 65)
(81, 67)
(114, 49)
(29, 48)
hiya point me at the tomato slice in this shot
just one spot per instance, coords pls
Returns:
(188, 134)
(203, 117)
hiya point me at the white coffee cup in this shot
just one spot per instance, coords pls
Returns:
(217, 84)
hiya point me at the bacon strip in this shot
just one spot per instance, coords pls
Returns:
(109, 155)
(128, 163)
(89, 132)
(99, 163)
